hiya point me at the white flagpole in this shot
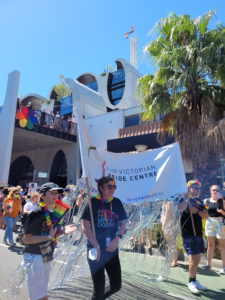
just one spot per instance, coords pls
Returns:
(90, 206)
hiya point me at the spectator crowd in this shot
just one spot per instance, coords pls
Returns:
(17, 203)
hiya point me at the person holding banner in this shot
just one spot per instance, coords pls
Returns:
(193, 211)
(108, 214)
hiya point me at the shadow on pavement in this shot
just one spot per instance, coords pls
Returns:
(201, 271)
(130, 291)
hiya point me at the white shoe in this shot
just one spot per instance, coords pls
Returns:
(199, 286)
(222, 271)
(193, 288)
(205, 267)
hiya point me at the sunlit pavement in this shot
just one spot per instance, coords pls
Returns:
(138, 279)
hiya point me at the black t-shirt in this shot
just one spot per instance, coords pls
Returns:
(36, 225)
(185, 220)
(101, 230)
(213, 206)
(43, 115)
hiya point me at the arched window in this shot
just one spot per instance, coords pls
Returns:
(58, 173)
(21, 171)
(89, 80)
(116, 86)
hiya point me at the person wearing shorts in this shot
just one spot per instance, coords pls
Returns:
(38, 240)
(192, 207)
(215, 227)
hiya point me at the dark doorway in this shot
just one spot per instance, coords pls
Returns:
(58, 172)
(21, 169)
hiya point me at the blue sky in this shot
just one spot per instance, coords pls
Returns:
(44, 38)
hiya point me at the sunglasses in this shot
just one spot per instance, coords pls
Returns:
(216, 191)
(196, 188)
(16, 193)
(110, 187)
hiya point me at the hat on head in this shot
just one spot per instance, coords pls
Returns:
(34, 194)
(50, 186)
(19, 187)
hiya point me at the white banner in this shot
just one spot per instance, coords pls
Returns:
(141, 177)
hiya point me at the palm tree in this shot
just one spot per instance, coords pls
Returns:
(189, 84)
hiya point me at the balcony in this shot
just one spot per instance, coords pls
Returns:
(46, 124)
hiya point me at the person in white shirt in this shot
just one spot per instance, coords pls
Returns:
(33, 204)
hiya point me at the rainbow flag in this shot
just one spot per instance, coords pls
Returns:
(132, 30)
(59, 211)
(10, 204)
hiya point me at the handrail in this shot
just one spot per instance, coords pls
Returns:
(51, 121)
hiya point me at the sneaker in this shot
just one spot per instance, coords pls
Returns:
(205, 267)
(4, 242)
(12, 244)
(193, 288)
(222, 271)
(199, 286)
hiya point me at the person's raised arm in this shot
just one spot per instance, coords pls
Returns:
(204, 214)
(183, 205)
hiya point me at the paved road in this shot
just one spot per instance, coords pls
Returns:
(137, 283)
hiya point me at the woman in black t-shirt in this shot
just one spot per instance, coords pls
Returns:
(108, 214)
(214, 227)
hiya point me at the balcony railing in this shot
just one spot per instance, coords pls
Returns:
(45, 123)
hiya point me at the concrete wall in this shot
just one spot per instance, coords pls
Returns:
(131, 77)
(48, 107)
(42, 160)
(86, 109)
(7, 123)
(105, 127)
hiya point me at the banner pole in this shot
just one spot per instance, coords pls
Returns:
(193, 224)
(192, 221)
(90, 206)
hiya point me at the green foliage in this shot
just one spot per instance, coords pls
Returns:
(190, 62)
(62, 89)
(48, 102)
(108, 69)
(102, 74)
(190, 59)
(157, 231)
